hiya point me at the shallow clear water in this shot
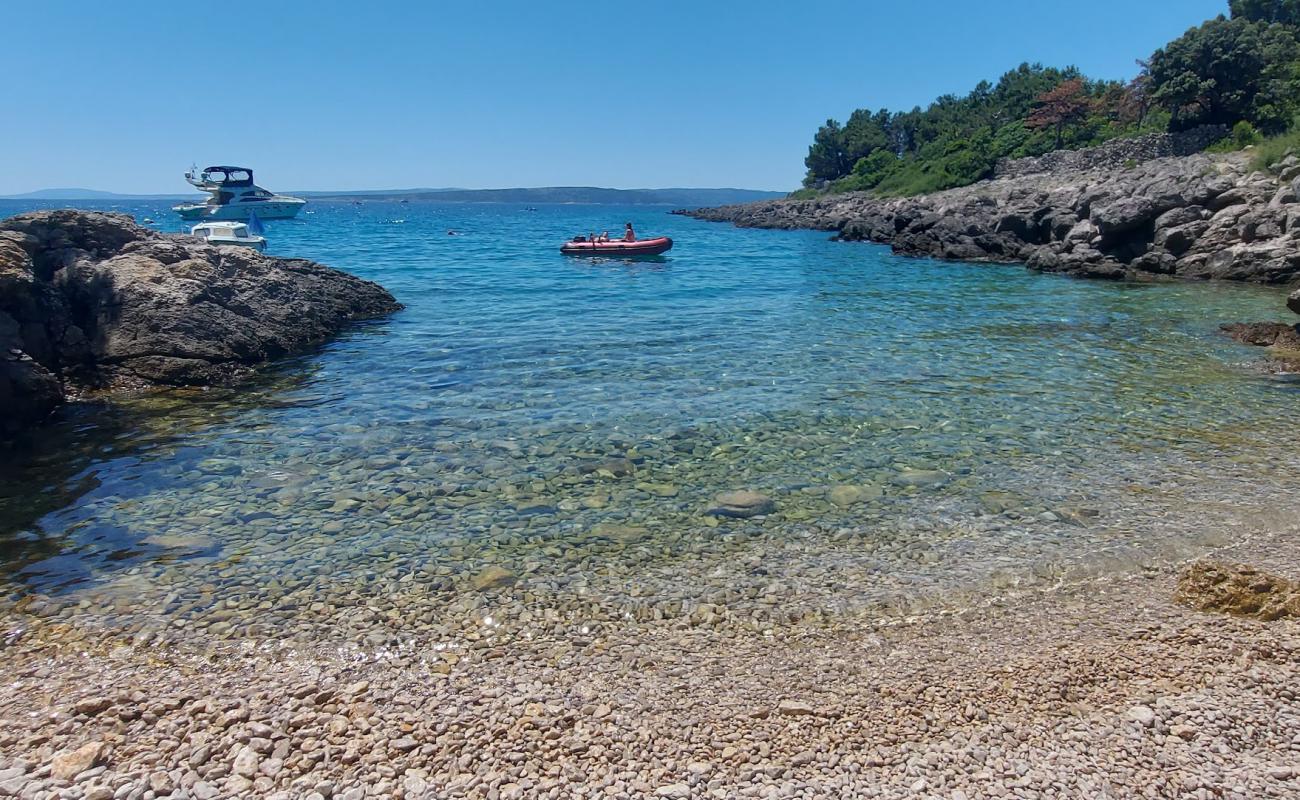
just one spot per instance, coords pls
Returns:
(571, 420)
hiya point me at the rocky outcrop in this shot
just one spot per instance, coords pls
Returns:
(92, 301)
(1237, 589)
(1197, 217)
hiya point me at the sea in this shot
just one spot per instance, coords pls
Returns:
(558, 430)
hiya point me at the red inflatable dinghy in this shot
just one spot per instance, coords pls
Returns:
(618, 247)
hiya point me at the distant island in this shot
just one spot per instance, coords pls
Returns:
(564, 194)
(540, 195)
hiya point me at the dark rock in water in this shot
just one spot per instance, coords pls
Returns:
(1264, 334)
(1281, 339)
(1237, 589)
(1293, 301)
(93, 301)
(742, 505)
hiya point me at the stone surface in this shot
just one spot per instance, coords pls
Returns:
(742, 504)
(1237, 589)
(70, 763)
(493, 577)
(93, 301)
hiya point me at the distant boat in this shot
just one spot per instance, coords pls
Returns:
(231, 233)
(234, 196)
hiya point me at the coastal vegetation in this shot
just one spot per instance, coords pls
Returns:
(1241, 71)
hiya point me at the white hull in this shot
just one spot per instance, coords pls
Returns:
(239, 212)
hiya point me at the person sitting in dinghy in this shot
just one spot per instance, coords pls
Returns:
(629, 235)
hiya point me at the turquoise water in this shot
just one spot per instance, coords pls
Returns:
(571, 420)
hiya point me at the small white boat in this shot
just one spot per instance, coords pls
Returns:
(235, 233)
(234, 196)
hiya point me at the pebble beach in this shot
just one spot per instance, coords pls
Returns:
(1103, 690)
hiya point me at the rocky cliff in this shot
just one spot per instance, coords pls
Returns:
(1196, 217)
(92, 301)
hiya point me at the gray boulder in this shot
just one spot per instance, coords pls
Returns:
(94, 301)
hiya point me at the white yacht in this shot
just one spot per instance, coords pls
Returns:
(234, 196)
(235, 233)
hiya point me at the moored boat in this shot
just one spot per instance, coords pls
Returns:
(234, 196)
(582, 246)
(233, 233)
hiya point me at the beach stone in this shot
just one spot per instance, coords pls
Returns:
(742, 504)
(404, 745)
(1237, 589)
(70, 763)
(1184, 732)
(658, 489)
(1142, 715)
(161, 783)
(246, 762)
(615, 468)
(493, 577)
(680, 791)
(93, 705)
(795, 708)
(202, 790)
(623, 534)
(845, 496)
(921, 478)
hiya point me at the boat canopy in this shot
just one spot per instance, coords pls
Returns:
(222, 176)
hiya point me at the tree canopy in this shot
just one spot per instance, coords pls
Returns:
(1067, 103)
(1228, 70)
(1286, 12)
(957, 139)
(1241, 71)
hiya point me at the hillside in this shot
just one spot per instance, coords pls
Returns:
(1241, 72)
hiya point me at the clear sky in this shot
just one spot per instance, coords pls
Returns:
(123, 95)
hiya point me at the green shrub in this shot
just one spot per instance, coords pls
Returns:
(1274, 148)
(1244, 134)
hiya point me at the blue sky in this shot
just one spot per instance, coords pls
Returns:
(123, 96)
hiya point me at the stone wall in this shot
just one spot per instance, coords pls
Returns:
(1114, 153)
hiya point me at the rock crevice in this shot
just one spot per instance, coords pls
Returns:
(91, 301)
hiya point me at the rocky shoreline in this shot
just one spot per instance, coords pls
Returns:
(92, 302)
(1199, 217)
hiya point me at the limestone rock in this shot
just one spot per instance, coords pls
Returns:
(845, 496)
(94, 300)
(68, 764)
(246, 762)
(1237, 589)
(742, 504)
(493, 577)
(795, 708)
(921, 477)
